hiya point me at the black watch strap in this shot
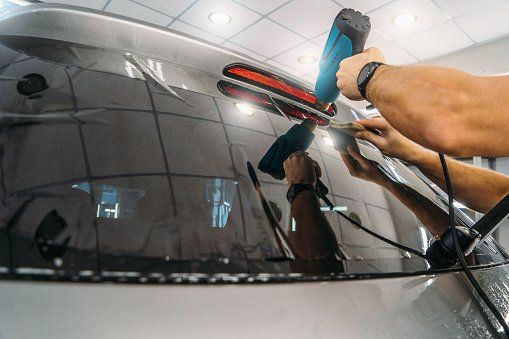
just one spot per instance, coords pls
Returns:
(296, 189)
(365, 76)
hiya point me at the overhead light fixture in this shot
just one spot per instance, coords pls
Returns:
(220, 18)
(247, 109)
(328, 141)
(404, 19)
(306, 59)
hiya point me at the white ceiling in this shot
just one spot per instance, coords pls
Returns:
(279, 31)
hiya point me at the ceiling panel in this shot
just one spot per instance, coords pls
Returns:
(267, 38)
(363, 6)
(241, 17)
(262, 6)
(291, 57)
(172, 8)
(428, 15)
(455, 8)
(95, 4)
(308, 18)
(425, 45)
(396, 55)
(376, 39)
(183, 27)
(486, 23)
(132, 10)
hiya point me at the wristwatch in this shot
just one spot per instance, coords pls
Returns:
(296, 189)
(365, 76)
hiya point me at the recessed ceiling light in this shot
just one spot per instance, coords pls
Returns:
(220, 18)
(247, 109)
(328, 141)
(306, 59)
(403, 19)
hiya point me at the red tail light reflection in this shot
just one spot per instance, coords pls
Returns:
(263, 101)
(271, 82)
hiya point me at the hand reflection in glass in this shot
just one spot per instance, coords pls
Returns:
(435, 219)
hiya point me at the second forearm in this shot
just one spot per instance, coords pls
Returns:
(313, 237)
(478, 188)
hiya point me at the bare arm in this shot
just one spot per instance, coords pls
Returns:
(443, 109)
(313, 238)
(478, 188)
(435, 220)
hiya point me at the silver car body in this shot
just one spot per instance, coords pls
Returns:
(99, 68)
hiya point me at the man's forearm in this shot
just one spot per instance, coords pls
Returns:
(313, 237)
(477, 188)
(444, 109)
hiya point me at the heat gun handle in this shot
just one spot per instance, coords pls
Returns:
(347, 37)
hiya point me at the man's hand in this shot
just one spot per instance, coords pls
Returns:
(362, 168)
(300, 168)
(390, 142)
(350, 68)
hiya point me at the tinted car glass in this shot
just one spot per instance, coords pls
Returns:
(107, 167)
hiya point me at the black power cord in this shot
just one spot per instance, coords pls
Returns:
(460, 255)
(388, 241)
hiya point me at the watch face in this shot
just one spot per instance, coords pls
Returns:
(363, 74)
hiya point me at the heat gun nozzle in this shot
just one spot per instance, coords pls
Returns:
(322, 105)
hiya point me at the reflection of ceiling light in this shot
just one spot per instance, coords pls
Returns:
(220, 18)
(1, 4)
(306, 59)
(459, 205)
(403, 19)
(245, 108)
(184, 86)
(328, 141)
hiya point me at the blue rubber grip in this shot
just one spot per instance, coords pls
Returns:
(337, 48)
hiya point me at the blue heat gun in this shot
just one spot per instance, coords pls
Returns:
(347, 37)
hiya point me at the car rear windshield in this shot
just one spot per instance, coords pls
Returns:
(102, 164)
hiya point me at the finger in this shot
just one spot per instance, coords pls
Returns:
(348, 163)
(317, 168)
(375, 123)
(373, 138)
(363, 162)
(296, 154)
(286, 165)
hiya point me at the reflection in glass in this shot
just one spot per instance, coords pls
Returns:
(112, 201)
(219, 193)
